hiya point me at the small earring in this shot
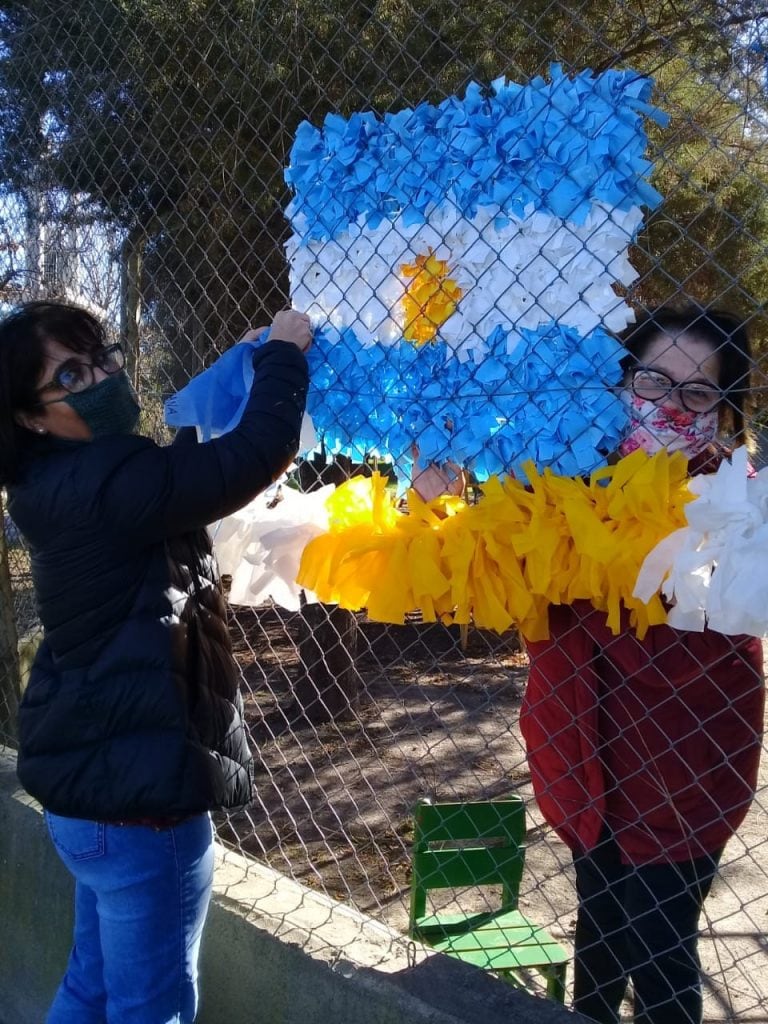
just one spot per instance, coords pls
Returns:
(40, 430)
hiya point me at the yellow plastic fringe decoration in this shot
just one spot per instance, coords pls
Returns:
(430, 298)
(504, 560)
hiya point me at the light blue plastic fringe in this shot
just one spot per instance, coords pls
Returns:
(551, 401)
(560, 145)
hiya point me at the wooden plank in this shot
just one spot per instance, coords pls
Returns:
(486, 819)
(550, 951)
(507, 960)
(491, 921)
(477, 865)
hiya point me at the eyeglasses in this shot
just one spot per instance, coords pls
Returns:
(74, 375)
(655, 387)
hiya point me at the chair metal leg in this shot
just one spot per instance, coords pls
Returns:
(556, 977)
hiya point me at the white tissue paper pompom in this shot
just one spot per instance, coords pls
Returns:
(260, 545)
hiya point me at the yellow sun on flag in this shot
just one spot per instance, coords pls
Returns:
(430, 298)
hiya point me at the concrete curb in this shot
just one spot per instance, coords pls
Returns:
(274, 951)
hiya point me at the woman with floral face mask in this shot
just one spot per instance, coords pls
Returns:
(131, 728)
(644, 753)
(685, 383)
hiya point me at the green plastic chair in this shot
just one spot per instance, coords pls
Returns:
(461, 845)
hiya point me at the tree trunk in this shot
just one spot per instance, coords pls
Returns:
(10, 676)
(130, 300)
(328, 687)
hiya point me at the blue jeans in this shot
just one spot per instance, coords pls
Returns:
(141, 898)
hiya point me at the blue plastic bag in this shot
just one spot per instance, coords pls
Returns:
(215, 399)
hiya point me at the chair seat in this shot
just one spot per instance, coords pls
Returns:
(499, 942)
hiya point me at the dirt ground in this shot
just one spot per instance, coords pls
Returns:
(436, 720)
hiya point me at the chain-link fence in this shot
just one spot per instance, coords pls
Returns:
(143, 152)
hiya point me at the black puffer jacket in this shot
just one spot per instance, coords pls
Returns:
(132, 709)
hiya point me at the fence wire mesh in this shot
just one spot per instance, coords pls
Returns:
(142, 157)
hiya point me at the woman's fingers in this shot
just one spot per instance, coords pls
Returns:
(292, 326)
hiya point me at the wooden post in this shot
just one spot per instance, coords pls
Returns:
(10, 675)
(328, 686)
(130, 301)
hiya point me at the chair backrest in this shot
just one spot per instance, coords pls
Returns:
(467, 844)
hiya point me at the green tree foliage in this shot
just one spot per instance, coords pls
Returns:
(175, 121)
(709, 238)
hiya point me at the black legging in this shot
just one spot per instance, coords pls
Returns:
(640, 923)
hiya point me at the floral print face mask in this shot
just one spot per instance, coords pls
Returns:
(653, 427)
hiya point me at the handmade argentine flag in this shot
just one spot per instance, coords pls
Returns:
(460, 264)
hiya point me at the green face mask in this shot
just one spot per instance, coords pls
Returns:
(109, 407)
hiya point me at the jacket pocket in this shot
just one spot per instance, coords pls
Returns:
(76, 838)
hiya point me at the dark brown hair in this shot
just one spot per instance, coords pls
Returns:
(23, 334)
(728, 338)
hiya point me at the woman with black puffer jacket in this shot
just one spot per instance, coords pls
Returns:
(131, 727)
